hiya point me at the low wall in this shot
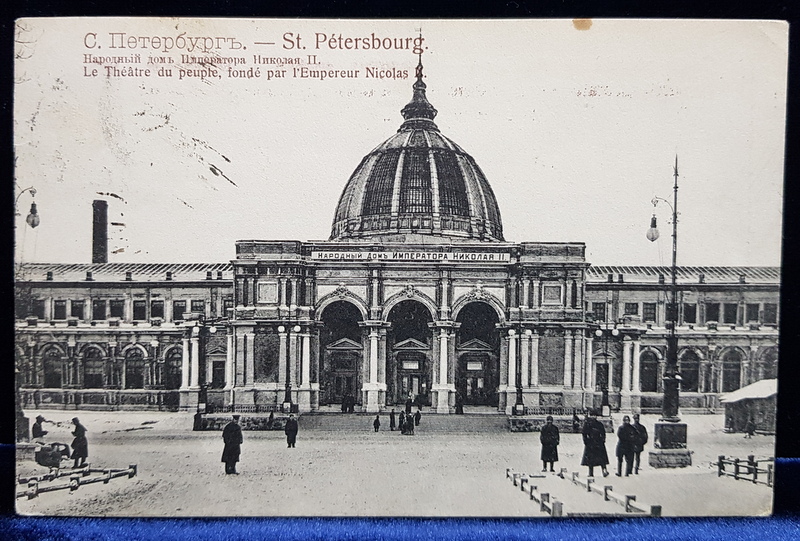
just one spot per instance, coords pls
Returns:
(531, 423)
(217, 421)
(101, 399)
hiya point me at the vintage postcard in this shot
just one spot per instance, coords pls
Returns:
(507, 268)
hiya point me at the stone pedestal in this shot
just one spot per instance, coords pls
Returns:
(442, 403)
(304, 399)
(625, 402)
(670, 442)
(189, 399)
(372, 392)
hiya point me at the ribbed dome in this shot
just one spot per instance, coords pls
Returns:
(418, 182)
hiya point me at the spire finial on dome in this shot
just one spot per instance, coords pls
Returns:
(419, 106)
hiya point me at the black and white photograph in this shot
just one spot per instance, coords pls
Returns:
(397, 268)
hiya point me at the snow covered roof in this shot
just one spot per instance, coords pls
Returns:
(760, 389)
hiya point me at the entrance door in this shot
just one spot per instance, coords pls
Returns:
(476, 380)
(342, 377)
(412, 378)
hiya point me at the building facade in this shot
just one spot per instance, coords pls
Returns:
(416, 294)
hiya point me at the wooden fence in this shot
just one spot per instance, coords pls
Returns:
(77, 477)
(750, 469)
(627, 501)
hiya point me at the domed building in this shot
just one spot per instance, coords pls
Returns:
(416, 295)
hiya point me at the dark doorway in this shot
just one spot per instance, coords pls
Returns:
(478, 355)
(341, 349)
(409, 339)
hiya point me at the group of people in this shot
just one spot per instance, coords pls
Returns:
(80, 445)
(407, 421)
(631, 439)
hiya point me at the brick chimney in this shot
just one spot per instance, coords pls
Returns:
(99, 231)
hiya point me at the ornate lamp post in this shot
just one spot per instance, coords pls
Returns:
(670, 434)
(604, 333)
(22, 422)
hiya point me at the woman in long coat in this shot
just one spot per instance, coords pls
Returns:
(594, 444)
(550, 439)
(80, 445)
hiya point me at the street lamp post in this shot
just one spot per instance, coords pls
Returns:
(22, 422)
(670, 435)
(604, 333)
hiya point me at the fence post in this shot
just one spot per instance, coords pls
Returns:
(769, 474)
(606, 490)
(753, 466)
(628, 499)
(33, 489)
(74, 482)
(720, 465)
(545, 496)
(736, 469)
(557, 509)
(655, 510)
(589, 482)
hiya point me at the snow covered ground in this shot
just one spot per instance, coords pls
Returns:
(360, 472)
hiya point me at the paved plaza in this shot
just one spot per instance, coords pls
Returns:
(352, 471)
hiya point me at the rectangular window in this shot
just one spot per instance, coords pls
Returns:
(631, 309)
(117, 307)
(551, 294)
(199, 306)
(227, 304)
(98, 309)
(752, 313)
(59, 309)
(729, 313)
(689, 313)
(599, 311)
(38, 308)
(76, 309)
(770, 313)
(157, 309)
(712, 311)
(139, 310)
(649, 311)
(178, 308)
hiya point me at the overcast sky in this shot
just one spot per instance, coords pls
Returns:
(576, 131)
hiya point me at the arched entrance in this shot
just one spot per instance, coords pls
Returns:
(477, 355)
(408, 370)
(341, 351)
(731, 370)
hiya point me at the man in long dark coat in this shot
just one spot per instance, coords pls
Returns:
(291, 431)
(392, 424)
(80, 445)
(641, 440)
(549, 438)
(417, 417)
(232, 436)
(594, 444)
(626, 446)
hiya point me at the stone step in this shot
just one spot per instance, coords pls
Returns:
(431, 422)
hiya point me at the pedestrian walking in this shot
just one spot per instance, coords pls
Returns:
(594, 444)
(409, 403)
(37, 431)
(291, 431)
(549, 438)
(641, 441)
(80, 445)
(376, 424)
(626, 446)
(232, 437)
(417, 416)
(392, 424)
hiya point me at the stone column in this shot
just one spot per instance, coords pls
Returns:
(567, 359)
(194, 378)
(535, 359)
(230, 374)
(283, 347)
(625, 392)
(589, 376)
(636, 383)
(443, 394)
(304, 391)
(511, 388)
(373, 388)
(525, 357)
(250, 365)
(185, 363)
(526, 290)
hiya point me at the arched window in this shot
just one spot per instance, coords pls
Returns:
(731, 370)
(93, 369)
(134, 369)
(51, 361)
(172, 369)
(768, 364)
(689, 368)
(648, 372)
